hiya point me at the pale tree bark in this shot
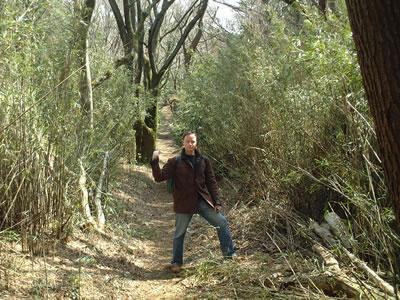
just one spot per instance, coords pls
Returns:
(85, 194)
(84, 11)
(101, 220)
(333, 279)
(376, 32)
(88, 87)
(332, 265)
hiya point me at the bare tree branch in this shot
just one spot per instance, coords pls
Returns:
(179, 45)
(155, 31)
(120, 62)
(187, 13)
(237, 8)
(193, 45)
(119, 20)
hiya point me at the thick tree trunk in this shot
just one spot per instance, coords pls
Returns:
(127, 29)
(145, 139)
(376, 31)
(146, 131)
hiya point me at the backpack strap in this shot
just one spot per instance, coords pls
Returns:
(170, 181)
(177, 159)
(205, 158)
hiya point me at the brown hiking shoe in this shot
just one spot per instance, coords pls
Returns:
(176, 268)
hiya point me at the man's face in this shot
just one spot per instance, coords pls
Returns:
(190, 143)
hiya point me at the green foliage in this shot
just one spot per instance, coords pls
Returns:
(43, 131)
(9, 235)
(283, 114)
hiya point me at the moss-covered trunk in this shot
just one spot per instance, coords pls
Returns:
(147, 130)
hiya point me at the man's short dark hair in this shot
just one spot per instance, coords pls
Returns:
(189, 133)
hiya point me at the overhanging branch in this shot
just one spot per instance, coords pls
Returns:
(181, 41)
(120, 62)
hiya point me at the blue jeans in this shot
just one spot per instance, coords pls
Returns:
(215, 219)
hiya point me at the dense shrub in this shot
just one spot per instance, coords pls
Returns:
(284, 115)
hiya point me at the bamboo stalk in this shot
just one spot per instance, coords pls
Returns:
(97, 200)
(85, 193)
(380, 283)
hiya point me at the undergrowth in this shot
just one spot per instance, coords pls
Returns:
(283, 116)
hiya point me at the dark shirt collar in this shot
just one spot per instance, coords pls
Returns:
(185, 156)
(193, 160)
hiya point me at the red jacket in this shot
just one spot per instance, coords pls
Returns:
(191, 182)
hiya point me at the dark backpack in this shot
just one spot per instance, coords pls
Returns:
(171, 181)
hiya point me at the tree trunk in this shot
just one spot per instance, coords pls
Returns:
(101, 220)
(146, 131)
(188, 54)
(85, 194)
(145, 139)
(84, 9)
(127, 29)
(322, 6)
(152, 64)
(376, 31)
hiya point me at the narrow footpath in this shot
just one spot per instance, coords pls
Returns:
(130, 261)
(153, 210)
(155, 280)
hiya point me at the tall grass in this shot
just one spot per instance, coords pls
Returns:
(42, 131)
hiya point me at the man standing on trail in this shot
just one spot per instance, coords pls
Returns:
(194, 191)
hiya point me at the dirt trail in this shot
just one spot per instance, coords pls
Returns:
(156, 281)
(152, 205)
(91, 266)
